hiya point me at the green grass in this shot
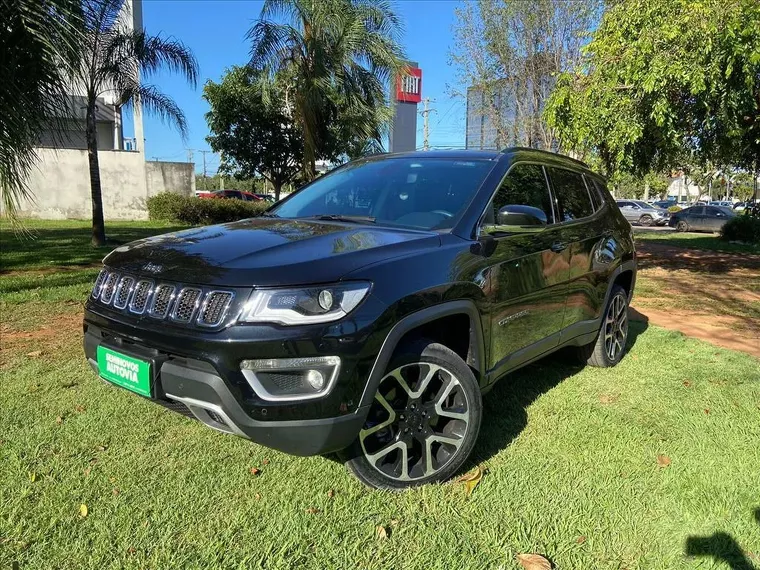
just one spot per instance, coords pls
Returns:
(702, 241)
(570, 453)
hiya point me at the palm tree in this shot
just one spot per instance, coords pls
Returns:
(336, 58)
(116, 58)
(39, 46)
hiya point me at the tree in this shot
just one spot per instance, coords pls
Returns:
(254, 136)
(663, 83)
(508, 53)
(116, 58)
(332, 61)
(39, 46)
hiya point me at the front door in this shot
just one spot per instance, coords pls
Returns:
(697, 219)
(527, 271)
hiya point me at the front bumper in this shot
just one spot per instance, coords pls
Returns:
(198, 373)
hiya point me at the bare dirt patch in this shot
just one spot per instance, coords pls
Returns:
(711, 296)
(58, 331)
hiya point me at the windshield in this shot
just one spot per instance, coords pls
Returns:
(414, 192)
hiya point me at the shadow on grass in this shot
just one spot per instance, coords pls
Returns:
(69, 246)
(722, 547)
(505, 414)
(31, 281)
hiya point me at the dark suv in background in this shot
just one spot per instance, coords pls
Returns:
(366, 313)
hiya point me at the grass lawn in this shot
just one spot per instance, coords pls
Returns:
(693, 240)
(652, 464)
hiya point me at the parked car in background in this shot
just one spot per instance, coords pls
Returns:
(639, 212)
(231, 194)
(740, 206)
(701, 218)
(724, 203)
(266, 197)
(664, 204)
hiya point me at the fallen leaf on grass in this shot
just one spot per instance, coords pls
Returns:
(34, 353)
(382, 532)
(87, 471)
(663, 460)
(687, 383)
(533, 562)
(79, 409)
(115, 491)
(707, 410)
(101, 447)
(32, 476)
(255, 471)
(331, 493)
(265, 462)
(312, 510)
(394, 522)
(608, 398)
(131, 550)
(471, 479)
(83, 510)
(257, 496)
(580, 540)
(59, 420)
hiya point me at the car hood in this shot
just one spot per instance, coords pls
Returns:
(266, 252)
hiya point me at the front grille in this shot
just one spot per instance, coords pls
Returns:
(182, 305)
(141, 295)
(187, 302)
(108, 288)
(123, 291)
(162, 298)
(214, 308)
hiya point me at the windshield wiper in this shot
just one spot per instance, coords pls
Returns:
(341, 218)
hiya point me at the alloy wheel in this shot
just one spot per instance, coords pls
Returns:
(417, 422)
(616, 327)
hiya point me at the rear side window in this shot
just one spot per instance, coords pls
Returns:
(572, 194)
(596, 198)
(525, 185)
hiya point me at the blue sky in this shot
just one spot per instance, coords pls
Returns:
(215, 31)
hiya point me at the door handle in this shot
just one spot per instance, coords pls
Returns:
(558, 246)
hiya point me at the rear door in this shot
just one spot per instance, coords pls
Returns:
(581, 231)
(527, 272)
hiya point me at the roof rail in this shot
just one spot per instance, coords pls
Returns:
(546, 152)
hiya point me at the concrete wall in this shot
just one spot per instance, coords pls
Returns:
(176, 177)
(61, 184)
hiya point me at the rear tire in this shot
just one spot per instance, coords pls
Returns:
(423, 422)
(609, 347)
(682, 226)
(646, 220)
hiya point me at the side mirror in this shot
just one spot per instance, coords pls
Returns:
(517, 218)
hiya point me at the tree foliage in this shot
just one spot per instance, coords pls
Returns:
(254, 136)
(39, 47)
(116, 58)
(665, 83)
(331, 61)
(509, 52)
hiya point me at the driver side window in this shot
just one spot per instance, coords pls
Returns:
(525, 185)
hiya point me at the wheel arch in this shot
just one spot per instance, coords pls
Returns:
(422, 323)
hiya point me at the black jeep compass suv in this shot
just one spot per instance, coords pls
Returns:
(366, 313)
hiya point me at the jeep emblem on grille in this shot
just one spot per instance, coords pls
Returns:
(153, 268)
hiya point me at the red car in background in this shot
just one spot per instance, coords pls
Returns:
(230, 194)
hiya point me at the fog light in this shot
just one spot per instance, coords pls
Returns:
(316, 379)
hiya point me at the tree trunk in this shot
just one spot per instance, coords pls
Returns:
(98, 226)
(277, 187)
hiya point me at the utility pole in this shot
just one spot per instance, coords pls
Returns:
(203, 152)
(426, 125)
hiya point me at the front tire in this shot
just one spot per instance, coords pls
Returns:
(423, 421)
(682, 226)
(608, 348)
(646, 220)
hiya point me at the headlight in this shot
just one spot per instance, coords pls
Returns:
(304, 305)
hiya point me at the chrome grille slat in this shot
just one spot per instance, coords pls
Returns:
(187, 302)
(162, 300)
(109, 286)
(123, 291)
(214, 308)
(141, 296)
(99, 283)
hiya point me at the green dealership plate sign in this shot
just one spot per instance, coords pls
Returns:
(125, 371)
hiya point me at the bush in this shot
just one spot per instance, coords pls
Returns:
(742, 228)
(171, 207)
(674, 209)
